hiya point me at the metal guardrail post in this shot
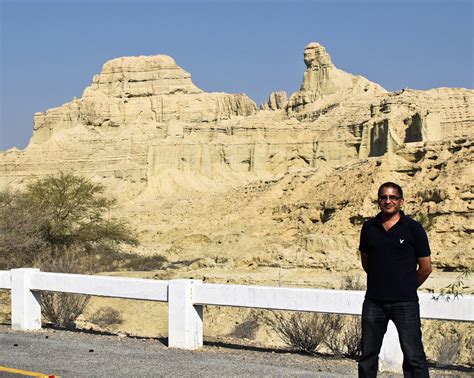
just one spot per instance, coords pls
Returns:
(185, 320)
(26, 304)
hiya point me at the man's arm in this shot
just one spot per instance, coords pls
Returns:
(364, 258)
(424, 269)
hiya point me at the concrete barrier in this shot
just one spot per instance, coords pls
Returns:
(186, 299)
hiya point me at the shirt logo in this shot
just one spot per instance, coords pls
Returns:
(401, 241)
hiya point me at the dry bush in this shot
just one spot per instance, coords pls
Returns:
(447, 350)
(106, 317)
(304, 332)
(345, 331)
(353, 337)
(438, 334)
(352, 282)
(5, 306)
(333, 339)
(62, 309)
(344, 335)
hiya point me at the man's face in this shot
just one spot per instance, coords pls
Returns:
(390, 201)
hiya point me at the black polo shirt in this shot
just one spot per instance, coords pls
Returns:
(393, 258)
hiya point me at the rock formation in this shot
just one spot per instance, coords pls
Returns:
(142, 90)
(277, 100)
(207, 174)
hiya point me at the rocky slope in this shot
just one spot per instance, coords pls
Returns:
(210, 179)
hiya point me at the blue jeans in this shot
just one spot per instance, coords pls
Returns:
(406, 317)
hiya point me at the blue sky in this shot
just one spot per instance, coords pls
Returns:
(51, 49)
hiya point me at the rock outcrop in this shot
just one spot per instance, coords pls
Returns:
(277, 100)
(293, 179)
(146, 90)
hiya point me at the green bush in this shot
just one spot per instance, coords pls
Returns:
(55, 213)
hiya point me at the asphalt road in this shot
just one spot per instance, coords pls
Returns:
(73, 354)
(82, 354)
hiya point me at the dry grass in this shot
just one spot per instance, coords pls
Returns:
(447, 349)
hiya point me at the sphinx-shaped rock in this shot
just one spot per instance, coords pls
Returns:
(324, 85)
(318, 77)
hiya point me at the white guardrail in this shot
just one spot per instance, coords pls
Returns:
(186, 297)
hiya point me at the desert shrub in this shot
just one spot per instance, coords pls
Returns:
(352, 282)
(344, 332)
(62, 309)
(447, 349)
(438, 334)
(352, 337)
(107, 317)
(333, 339)
(304, 332)
(5, 306)
(344, 335)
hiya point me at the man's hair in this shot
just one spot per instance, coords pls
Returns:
(390, 185)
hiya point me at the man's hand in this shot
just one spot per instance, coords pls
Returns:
(424, 269)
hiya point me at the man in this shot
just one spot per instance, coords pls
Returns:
(395, 254)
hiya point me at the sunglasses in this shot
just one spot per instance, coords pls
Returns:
(389, 198)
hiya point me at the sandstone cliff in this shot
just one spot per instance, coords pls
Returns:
(202, 175)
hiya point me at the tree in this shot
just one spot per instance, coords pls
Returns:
(76, 211)
(54, 214)
(61, 223)
(20, 236)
